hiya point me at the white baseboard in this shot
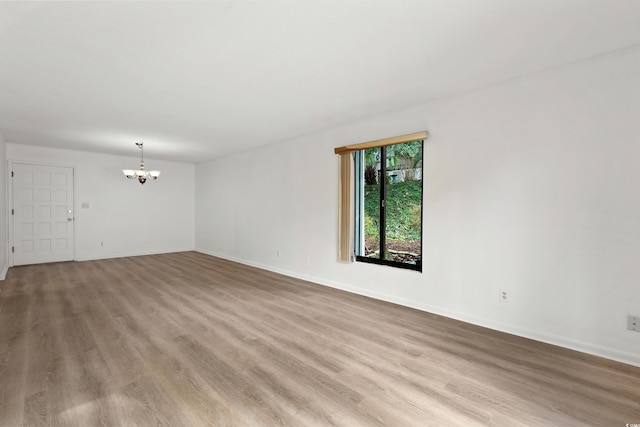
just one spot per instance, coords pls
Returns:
(130, 254)
(3, 273)
(584, 347)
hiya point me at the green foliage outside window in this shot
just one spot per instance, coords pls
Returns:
(403, 210)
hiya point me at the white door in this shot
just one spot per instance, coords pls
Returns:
(42, 213)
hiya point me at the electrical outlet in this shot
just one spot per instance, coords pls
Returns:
(633, 323)
(504, 295)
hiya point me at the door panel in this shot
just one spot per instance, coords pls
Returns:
(42, 213)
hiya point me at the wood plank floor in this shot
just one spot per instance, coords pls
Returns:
(186, 339)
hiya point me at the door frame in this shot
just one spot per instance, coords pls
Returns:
(10, 163)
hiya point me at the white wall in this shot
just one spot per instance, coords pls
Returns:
(530, 186)
(131, 219)
(4, 263)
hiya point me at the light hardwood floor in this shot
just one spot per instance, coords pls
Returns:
(186, 339)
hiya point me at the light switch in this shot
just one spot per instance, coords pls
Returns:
(85, 205)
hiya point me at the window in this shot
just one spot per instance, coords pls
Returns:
(388, 205)
(387, 201)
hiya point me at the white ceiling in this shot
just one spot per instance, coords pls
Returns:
(197, 80)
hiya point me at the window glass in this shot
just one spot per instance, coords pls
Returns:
(389, 205)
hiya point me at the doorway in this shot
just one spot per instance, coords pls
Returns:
(42, 213)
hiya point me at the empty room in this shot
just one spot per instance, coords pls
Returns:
(320, 213)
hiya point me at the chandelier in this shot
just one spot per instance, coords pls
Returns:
(141, 174)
